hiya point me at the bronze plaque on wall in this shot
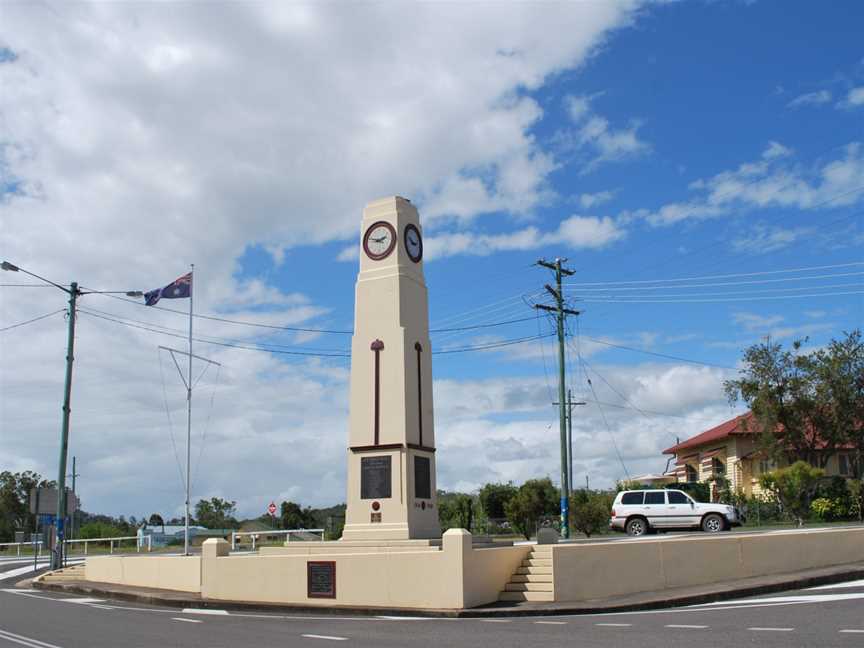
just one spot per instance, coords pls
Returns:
(321, 579)
(375, 478)
(422, 477)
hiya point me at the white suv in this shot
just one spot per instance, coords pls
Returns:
(640, 512)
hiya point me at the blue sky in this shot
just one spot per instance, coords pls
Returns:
(710, 151)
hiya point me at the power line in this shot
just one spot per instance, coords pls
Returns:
(704, 301)
(660, 355)
(723, 276)
(479, 326)
(714, 285)
(30, 321)
(771, 291)
(494, 345)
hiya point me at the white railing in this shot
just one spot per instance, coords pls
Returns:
(139, 542)
(18, 545)
(256, 535)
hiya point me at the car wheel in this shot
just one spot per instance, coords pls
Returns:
(637, 527)
(713, 523)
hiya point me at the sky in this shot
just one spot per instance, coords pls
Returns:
(699, 164)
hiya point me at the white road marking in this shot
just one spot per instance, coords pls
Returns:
(853, 631)
(614, 625)
(688, 627)
(495, 620)
(311, 636)
(25, 641)
(82, 601)
(204, 611)
(857, 583)
(187, 620)
(551, 622)
(18, 591)
(772, 629)
(401, 618)
(807, 598)
(103, 607)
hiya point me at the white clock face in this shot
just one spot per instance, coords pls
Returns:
(413, 243)
(379, 241)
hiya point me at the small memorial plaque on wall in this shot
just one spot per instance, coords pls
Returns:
(422, 478)
(321, 579)
(375, 480)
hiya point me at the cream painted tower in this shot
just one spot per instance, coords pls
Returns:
(391, 442)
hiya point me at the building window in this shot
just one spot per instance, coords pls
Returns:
(845, 464)
(718, 467)
(690, 474)
(764, 466)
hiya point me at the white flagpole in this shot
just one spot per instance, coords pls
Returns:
(189, 414)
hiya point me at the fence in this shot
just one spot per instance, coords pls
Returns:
(18, 545)
(302, 535)
(139, 542)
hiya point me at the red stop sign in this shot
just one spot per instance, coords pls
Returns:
(272, 508)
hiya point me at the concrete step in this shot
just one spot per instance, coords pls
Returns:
(528, 587)
(537, 562)
(531, 578)
(526, 596)
(533, 570)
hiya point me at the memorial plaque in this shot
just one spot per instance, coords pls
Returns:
(375, 518)
(321, 579)
(375, 479)
(422, 477)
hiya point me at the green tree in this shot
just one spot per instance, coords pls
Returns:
(493, 497)
(216, 513)
(534, 499)
(15, 501)
(794, 487)
(455, 511)
(590, 511)
(156, 520)
(805, 405)
(100, 530)
(294, 516)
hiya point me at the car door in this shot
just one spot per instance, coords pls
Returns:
(655, 508)
(681, 510)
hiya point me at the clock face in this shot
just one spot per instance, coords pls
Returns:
(379, 240)
(413, 243)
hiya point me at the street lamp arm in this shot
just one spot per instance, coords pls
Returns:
(11, 267)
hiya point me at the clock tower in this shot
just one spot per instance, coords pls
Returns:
(391, 440)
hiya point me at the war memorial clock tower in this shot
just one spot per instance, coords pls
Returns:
(391, 440)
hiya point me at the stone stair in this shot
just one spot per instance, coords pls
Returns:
(71, 573)
(533, 580)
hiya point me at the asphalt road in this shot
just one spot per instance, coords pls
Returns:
(824, 617)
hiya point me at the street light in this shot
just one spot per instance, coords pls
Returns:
(74, 292)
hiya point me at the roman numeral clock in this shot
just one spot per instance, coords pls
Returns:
(391, 440)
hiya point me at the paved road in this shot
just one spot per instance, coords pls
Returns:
(825, 617)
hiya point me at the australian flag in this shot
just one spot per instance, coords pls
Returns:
(177, 289)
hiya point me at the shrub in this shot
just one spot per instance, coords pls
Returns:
(535, 498)
(794, 488)
(590, 511)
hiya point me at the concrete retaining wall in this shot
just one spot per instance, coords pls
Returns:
(593, 571)
(180, 573)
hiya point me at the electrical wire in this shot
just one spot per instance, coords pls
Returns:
(723, 300)
(170, 422)
(715, 285)
(727, 293)
(30, 321)
(659, 355)
(723, 276)
(493, 345)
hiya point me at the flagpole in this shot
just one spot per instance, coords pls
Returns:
(189, 414)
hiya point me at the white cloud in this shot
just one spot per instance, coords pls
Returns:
(763, 239)
(588, 200)
(810, 99)
(593, 133)
(576, 232)
(142, 137)
(754, 322)
(854, 98)
(774, 180)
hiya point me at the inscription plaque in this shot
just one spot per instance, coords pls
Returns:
(375, 518)
(375, 479)
(422, 478)
(321, 579)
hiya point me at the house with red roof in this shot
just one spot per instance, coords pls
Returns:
(731, 450)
